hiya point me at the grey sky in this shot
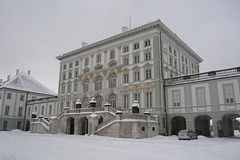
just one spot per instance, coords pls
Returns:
(34, 32)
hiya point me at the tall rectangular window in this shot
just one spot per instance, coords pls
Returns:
(9, 96)
(76, 73)
(7, 110)
(19, 125)
(64, 66)
(137, 76)
(42, 112)
(29, 110)
(61, 106)
(228, 93)
(136, 59)
(5, 125)
(125, 78)
(50, 109)
(64, 77)
(147, 43)
(125, 49)
(136, 46)
(69, 88)
(149, 99)
(63, 89)
(98, 58)
(21, 97)
(76, 63)
(125, 61)
(137, 97)
(200, 97)
(126, 101)
(148, 74)
(176, 98)
(20, 111)
(0, 95)
(70, 65)
(75, 87)
(147, 56)
(86, 61)
(112, 54)
(70, 75)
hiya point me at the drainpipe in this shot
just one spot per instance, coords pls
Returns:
(164, 94)
(25, 112)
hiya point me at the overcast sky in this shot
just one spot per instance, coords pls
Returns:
(34, 32)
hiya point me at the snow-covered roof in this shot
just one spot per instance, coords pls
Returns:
(24, 82)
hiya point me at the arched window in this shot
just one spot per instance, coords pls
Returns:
(85, 85)
(85, 103)
(98, 83)
(99, 101)
(112, 100)
(112, 80)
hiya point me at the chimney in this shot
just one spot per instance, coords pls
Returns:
(17, 72)
(1, 80)
(8, 77)
(124, 29)
(84, 44)
(29, 72)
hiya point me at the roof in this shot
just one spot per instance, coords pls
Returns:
(156, 24)
(25, 82)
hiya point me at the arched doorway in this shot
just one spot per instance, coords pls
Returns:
(203, 125)
(230, 122)
(177, 123)
(27, 126)
(70, 126)
(100, 120)
(83, 126)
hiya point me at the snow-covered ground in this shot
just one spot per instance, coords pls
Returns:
(18, 145)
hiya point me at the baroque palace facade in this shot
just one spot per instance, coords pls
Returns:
(151, 65)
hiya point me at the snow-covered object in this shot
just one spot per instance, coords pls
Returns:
(78, 102)
(94, 116)
(93, 100)
(119, 112)
(25, 82)
(34, 112)
(135, 104)
(147, 113)
(66, 108)
(53, 117)
(107, 104)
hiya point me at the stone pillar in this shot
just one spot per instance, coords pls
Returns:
(92, 123)
(54, 125)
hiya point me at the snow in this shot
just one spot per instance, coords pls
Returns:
(18, 145)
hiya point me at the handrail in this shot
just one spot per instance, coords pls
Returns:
(105, 123)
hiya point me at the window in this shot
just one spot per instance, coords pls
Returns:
(112, 80)
(76, 63)
(98, 58)
(64, 66)
(175, 64)
(125, 78)
(98, 83)
(20, 111)
(126, 61)
(171, 61)
(9, 95)
(85, 102)
(148, 74)
(50, 109)
(182, 59)
(75, 87)
(69, 88)
(147, 43)
(0, 95)
(183, 69)
(136, 46)
(19, 125)
(70, 65)
(137, 76)
(64, 77)
(186, 61)
(176, 98)
(170, 49)
(136, 59)
(29, 110)
(125, 49)
(76, 73)
(174, 53)
(63, 89)
(70, 75)
(67, 104)
(149, 99)
(7, 110)
(112, 100)
(5, 125)
(99, 101)
(112, 54)
(228, 93)
(186, 70)
(42, 112)
(137, 97)
(200, 96)
(126, 101)
(61, 106)
(147, 56)
(85, 85)
(86, 61)
(21, 97)
(36, 108)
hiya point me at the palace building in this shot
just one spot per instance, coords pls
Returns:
(152, 66)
